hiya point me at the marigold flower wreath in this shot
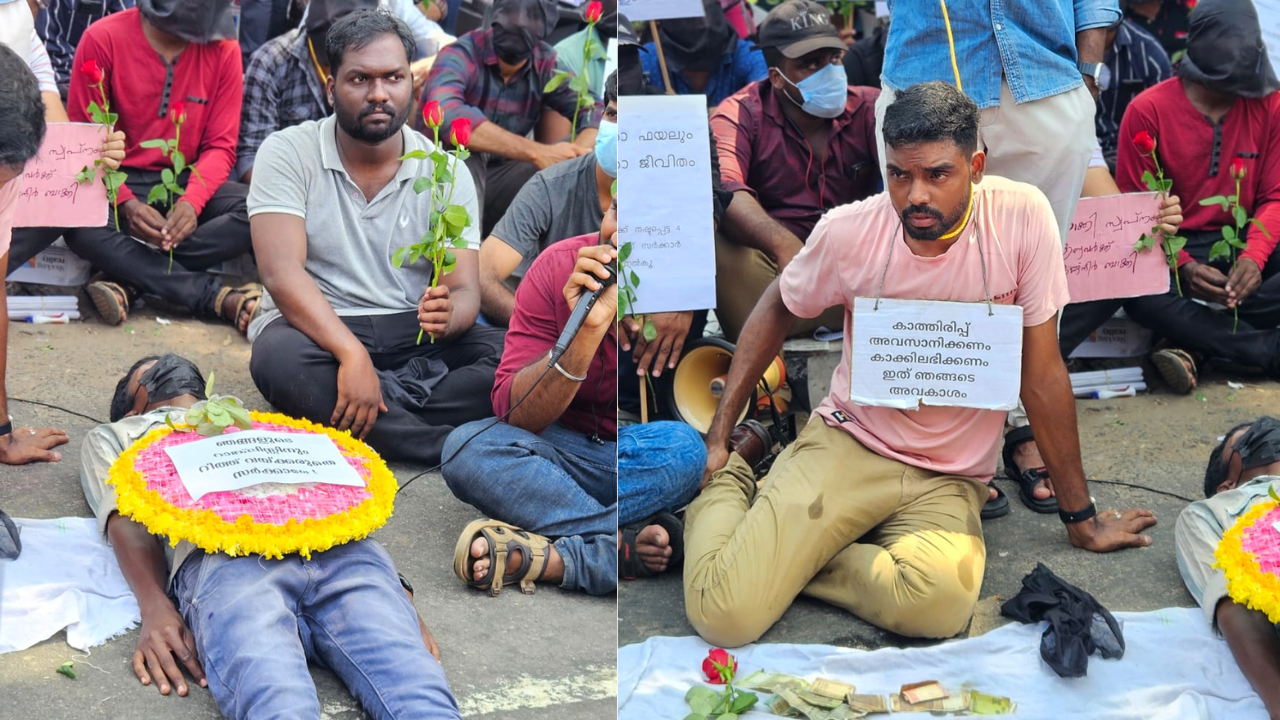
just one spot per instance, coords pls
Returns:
(300, 519)
(1249, 554)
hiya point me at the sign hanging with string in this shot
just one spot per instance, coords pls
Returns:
(908, 353)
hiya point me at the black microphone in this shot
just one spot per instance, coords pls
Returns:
(580, 312)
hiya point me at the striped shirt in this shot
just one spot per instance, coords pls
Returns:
(1134, 62)
(40, 66)
(61, 24)
(467, 83)
(281, 89)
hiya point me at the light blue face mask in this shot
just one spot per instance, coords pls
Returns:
(607, 148)
(825, 92)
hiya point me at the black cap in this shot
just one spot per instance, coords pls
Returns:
(626, 34)
(799, 27)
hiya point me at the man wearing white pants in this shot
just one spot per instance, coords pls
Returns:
(1032, 68)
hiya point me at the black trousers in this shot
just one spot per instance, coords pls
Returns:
(300, 378)
(1188, 324)
(497, 180)
(222, 234)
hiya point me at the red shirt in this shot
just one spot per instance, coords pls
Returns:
(208, 78)
(763, 153)
(540, 315)
(1197, 156)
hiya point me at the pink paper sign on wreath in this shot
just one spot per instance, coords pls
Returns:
(50, 195)
(1100, 260)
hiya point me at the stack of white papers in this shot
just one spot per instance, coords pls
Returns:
(25, 307)
(1104, 382)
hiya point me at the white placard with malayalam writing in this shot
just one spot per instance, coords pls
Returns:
(642, 10)
(913, 352)
(1269, 20)
(610, 61)
(238, 460)
(665, 203)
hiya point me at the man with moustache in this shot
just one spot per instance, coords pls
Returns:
(331, 202)
(876, 509)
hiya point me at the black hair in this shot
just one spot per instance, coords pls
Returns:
(611, 88)
(1216, 472)
(121, 401)
(356, 30)
(772, 57)
(21, 111)
(929, 112)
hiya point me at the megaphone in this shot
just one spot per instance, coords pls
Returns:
(699, 380)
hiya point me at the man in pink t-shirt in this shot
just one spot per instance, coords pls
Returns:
(21, 131)
(875, 509)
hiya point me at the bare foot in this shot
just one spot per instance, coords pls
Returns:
(654, 547)
(553, 573)
(427, 638)
(1027, 456)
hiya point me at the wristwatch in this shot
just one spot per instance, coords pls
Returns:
(1093, 70)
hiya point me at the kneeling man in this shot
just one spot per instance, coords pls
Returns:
(876, 509)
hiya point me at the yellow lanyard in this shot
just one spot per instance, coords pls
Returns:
(964, 222)
(955, 67)
(324, 77)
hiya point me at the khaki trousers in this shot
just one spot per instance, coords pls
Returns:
(898, 546)
(742, 274)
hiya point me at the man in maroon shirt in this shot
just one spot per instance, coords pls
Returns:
(791, 147)
(161, 58)
(553, 465)
(1222, 111)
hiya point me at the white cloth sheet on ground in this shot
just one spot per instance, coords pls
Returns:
(66, 577)
(1174, 668)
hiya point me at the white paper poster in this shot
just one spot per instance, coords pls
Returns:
(1269, 20)
(238, 460)
(641, 10)
(664, 201)
(913, 352)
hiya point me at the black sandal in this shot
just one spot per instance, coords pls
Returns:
(997, 508)
(1027, 478)
(630, 565)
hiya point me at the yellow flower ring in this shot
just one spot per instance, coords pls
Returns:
(1249, 554)
(310, 518)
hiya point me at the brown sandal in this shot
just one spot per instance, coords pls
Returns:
(503, 539)
(1177, 368)
(249, 293)
(110, 300)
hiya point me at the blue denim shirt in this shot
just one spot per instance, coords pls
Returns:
(745, 66)
(1032, 43)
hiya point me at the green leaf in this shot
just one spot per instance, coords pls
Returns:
(415, 155)
(1272, 491)
(635, 279)
(218, 415)
(94, 110)
(415, 252)
(459, 243)
(112, 118)
(449, 258)
(1260, 226)
(1228, 233)
(1221, 250)
(1240, 215)
(422, 184)
(397, 257)
(157, 194)
(1150, 180)
(624, 305)
(156, 144)
(742, 703)
(650, 331)
(85, 176)
(209, 429)
(177, 189)
(1216, 200)
(65, 669)
(701, 699)
(695, 716)
(208, 386)
(624, 252)
(195, 415)
(456, 216)
(556, 81)
(1166, 185)
(172, 143)
(166, 177)
(580, 84)
(1175, 244)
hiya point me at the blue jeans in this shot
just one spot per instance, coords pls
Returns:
(659, 467)
(556, 483)
(257, 622)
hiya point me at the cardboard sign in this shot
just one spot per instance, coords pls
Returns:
(641, 10)
(664, 202)
(910, 353)
(1100, 260)
(50, 195)
(238, 460)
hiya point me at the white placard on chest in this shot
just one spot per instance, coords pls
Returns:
(909, 353)
(238, 460)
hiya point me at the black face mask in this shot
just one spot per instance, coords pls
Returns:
(513, 45)
(1260, 444)
(172, 376)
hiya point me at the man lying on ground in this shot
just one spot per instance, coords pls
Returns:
(337, 342)
(260, 620)
(558, 465)
(876, 509)
(1242, 472)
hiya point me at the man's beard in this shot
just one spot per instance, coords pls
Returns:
(944, 225)
(355, 127)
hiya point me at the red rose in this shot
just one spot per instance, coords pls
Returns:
(460, 132)
(92, 72)
(1237, 169)
(716, 659)
(432, 115)
(177, 112)
(594, 11)
(1144, 142)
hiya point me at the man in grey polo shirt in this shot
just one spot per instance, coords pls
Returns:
(331, 201)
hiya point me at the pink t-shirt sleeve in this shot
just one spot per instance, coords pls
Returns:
(811, 283)
(8, 208)
(1042, 277)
